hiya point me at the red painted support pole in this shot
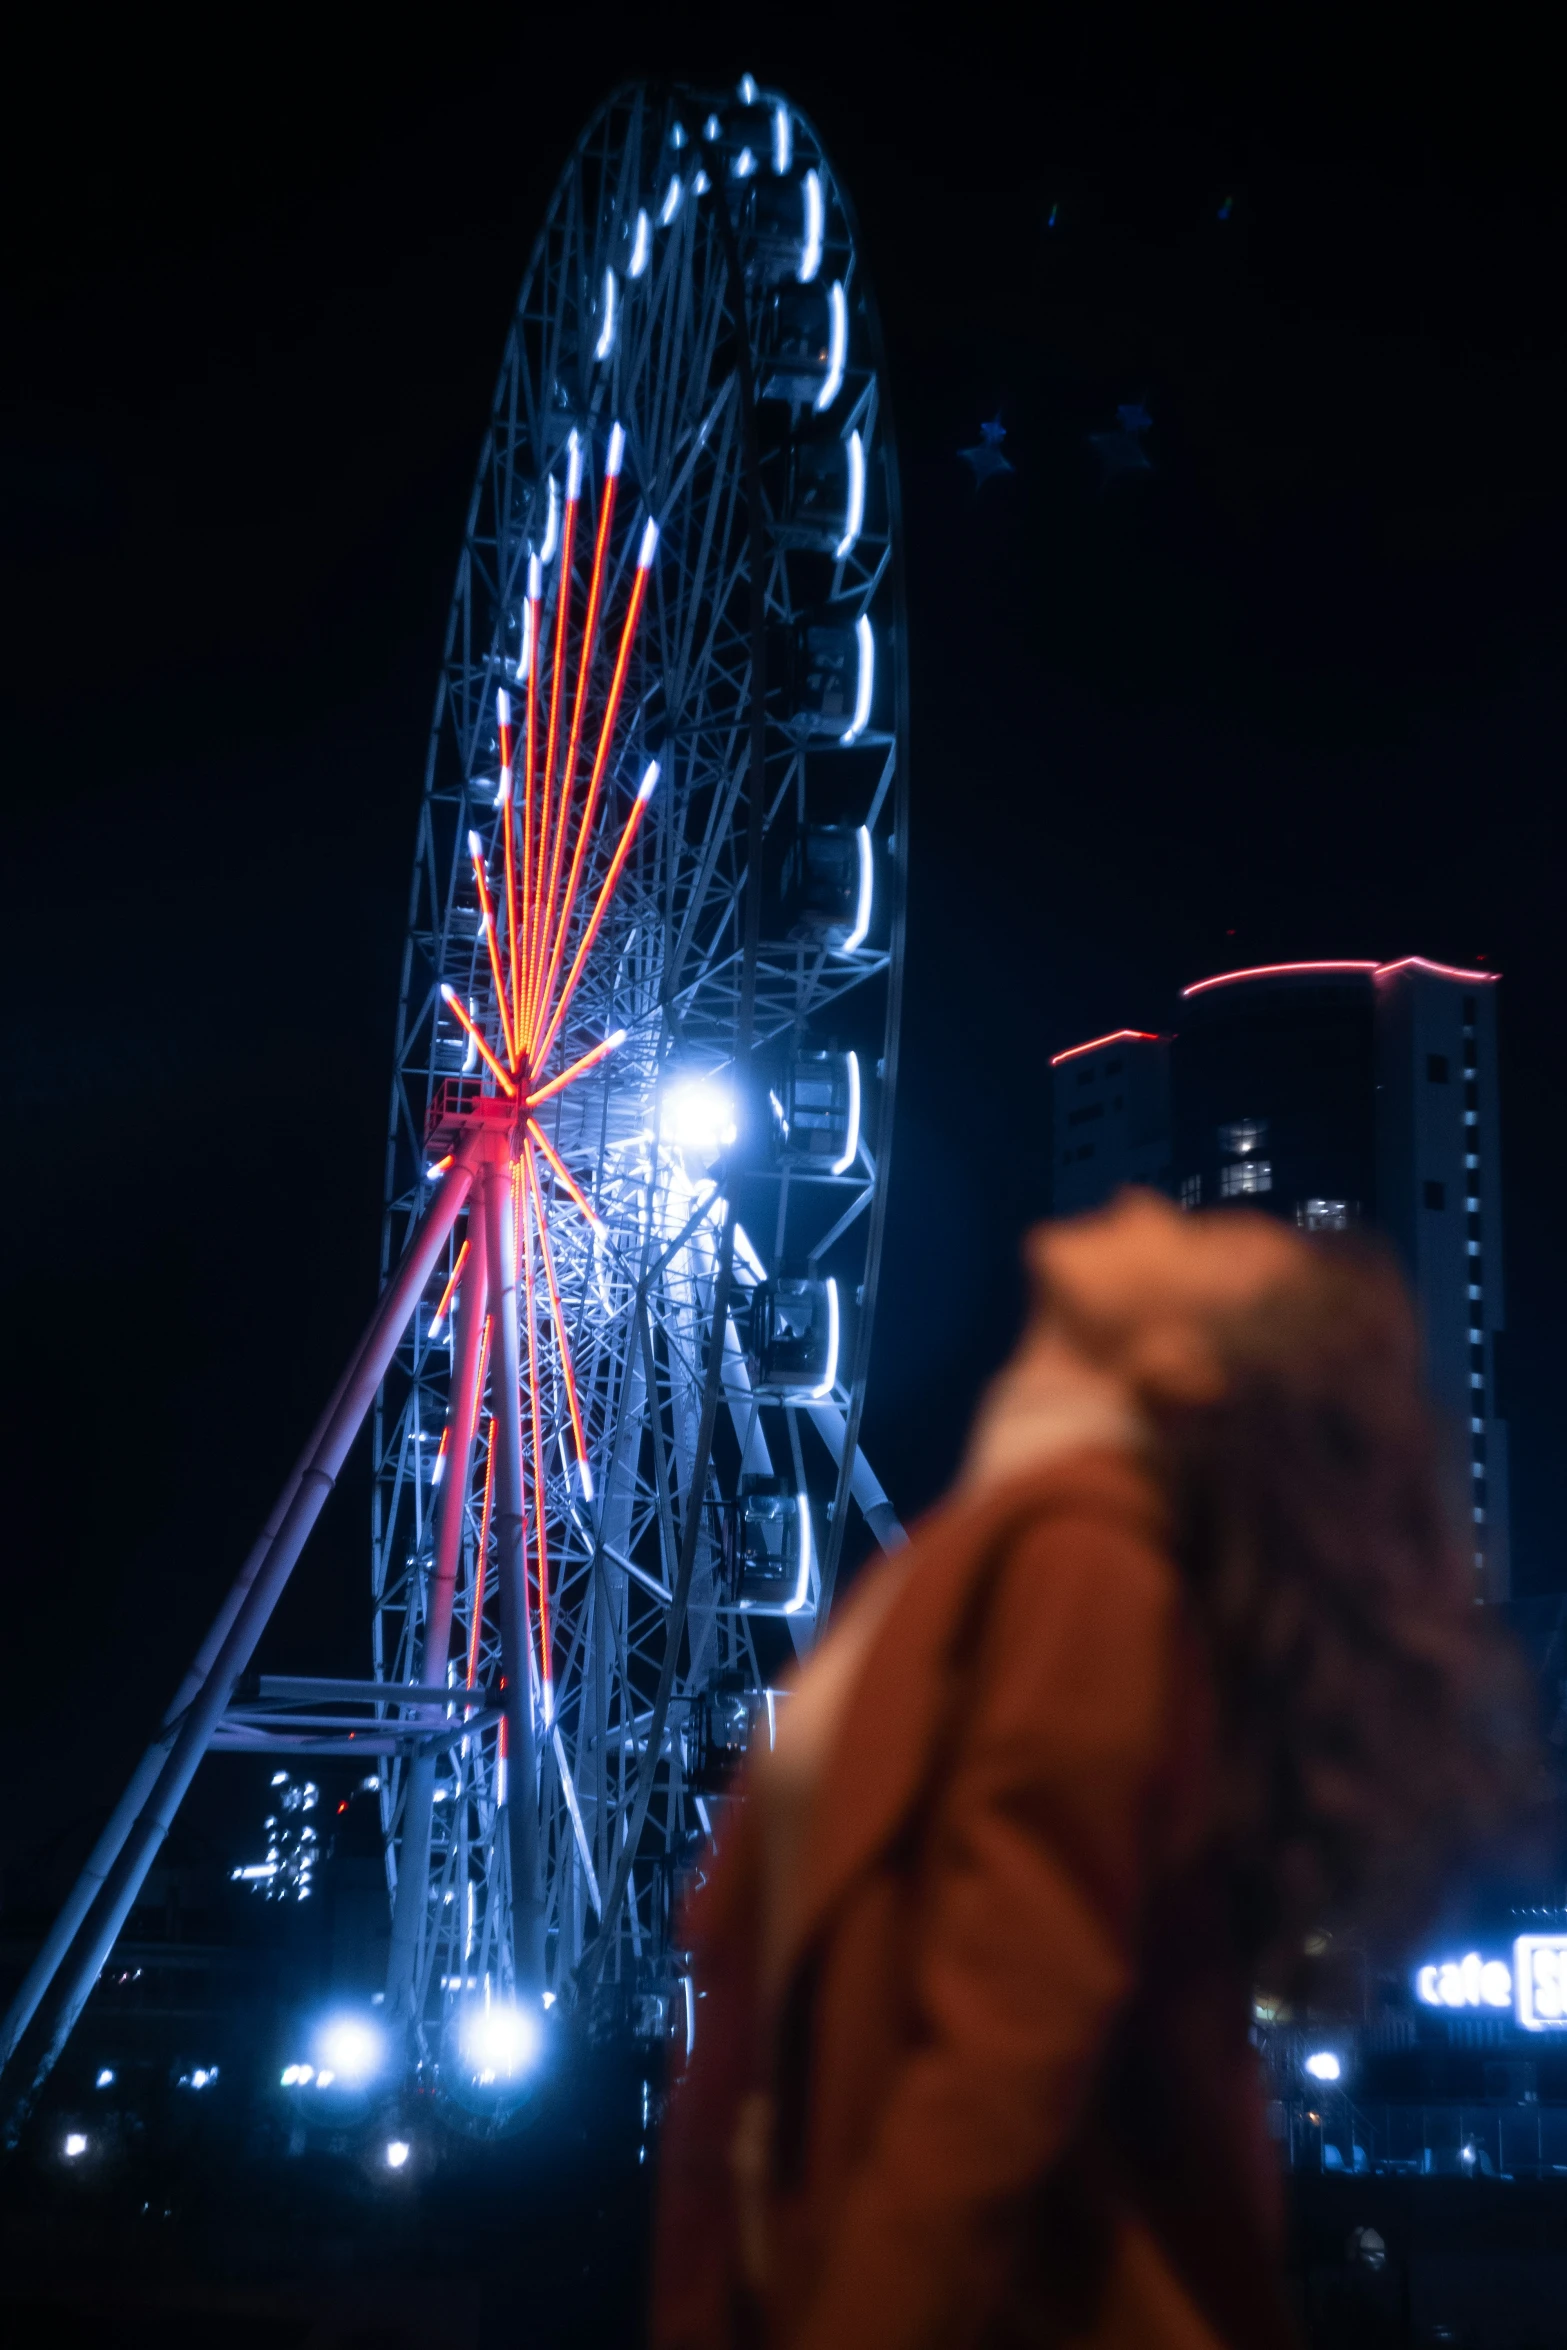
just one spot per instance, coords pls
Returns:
(410, 1908)
(522, 1773)
(310, 1489)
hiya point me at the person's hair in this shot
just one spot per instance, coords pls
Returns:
(1372, 1719)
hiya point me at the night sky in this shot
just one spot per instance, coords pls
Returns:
(1297, 691)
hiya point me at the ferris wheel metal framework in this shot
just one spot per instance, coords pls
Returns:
(646, 1046)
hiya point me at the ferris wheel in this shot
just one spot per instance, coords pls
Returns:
(636, 1170)
(653, 955)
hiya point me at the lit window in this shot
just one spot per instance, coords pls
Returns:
(1320, 1215)
(1243, 1136)
(1191, 1191)
(1245, 1178)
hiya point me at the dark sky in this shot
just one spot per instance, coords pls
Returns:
(1299, 691)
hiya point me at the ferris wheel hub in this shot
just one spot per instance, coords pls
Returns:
(459, 1107)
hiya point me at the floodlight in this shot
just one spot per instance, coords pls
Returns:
(500, 2043)
(353, 2049)
(698, 1116)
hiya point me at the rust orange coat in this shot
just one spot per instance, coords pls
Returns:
(1012, 2096)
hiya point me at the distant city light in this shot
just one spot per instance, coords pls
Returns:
(1323, 2066)
(75, 2144)
(105, 2078)
(397, 2153)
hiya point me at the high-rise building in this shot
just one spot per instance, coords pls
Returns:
(1334, 1094)
(1111, 1117)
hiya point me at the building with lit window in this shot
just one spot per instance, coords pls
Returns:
(1336, 1095)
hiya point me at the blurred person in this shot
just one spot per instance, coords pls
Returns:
(1184, 1673)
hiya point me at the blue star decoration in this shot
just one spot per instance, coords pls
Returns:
(986, 457)
(1121, 452)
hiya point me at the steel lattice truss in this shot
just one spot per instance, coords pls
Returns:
(596, 954)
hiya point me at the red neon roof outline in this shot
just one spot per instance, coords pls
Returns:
(1116, 1035)
(1377, 971)
(1440, 970)
(1273, 971)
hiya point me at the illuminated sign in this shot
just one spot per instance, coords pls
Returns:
(1465, 1982)
(1540, 1974)
(1534, 1986)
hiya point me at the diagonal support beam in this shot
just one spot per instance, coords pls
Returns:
(307, 1489)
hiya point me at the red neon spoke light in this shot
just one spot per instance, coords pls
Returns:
(562, 1343)
(606, 892)
(492, 943)
(617, 441)
(522, 947)
(449, 1292)
(563, 1173)
(453, 1003)
(600, 762)
(578, 1069)
(568, 534)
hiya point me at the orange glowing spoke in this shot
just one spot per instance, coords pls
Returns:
(578, 1069)
(606, 892)
(595, 781)
(492, 943)
(568, 534)
(617, 442)
(563, 1172)
(450, 999)
(521, 920)
(536, 1417)
(562, 1344)
(450, 1291)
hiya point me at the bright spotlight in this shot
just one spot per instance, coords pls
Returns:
(698, 1116)
(351, 2048)
(397, 2152)
(75, 2144)
(105, 2078)
(500, 2043)
(1324, 2066)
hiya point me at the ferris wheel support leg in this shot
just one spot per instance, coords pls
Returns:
(106, 1851)
(864, 1484)
(522, 1775)
(314, 1482)
(410, 1908)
